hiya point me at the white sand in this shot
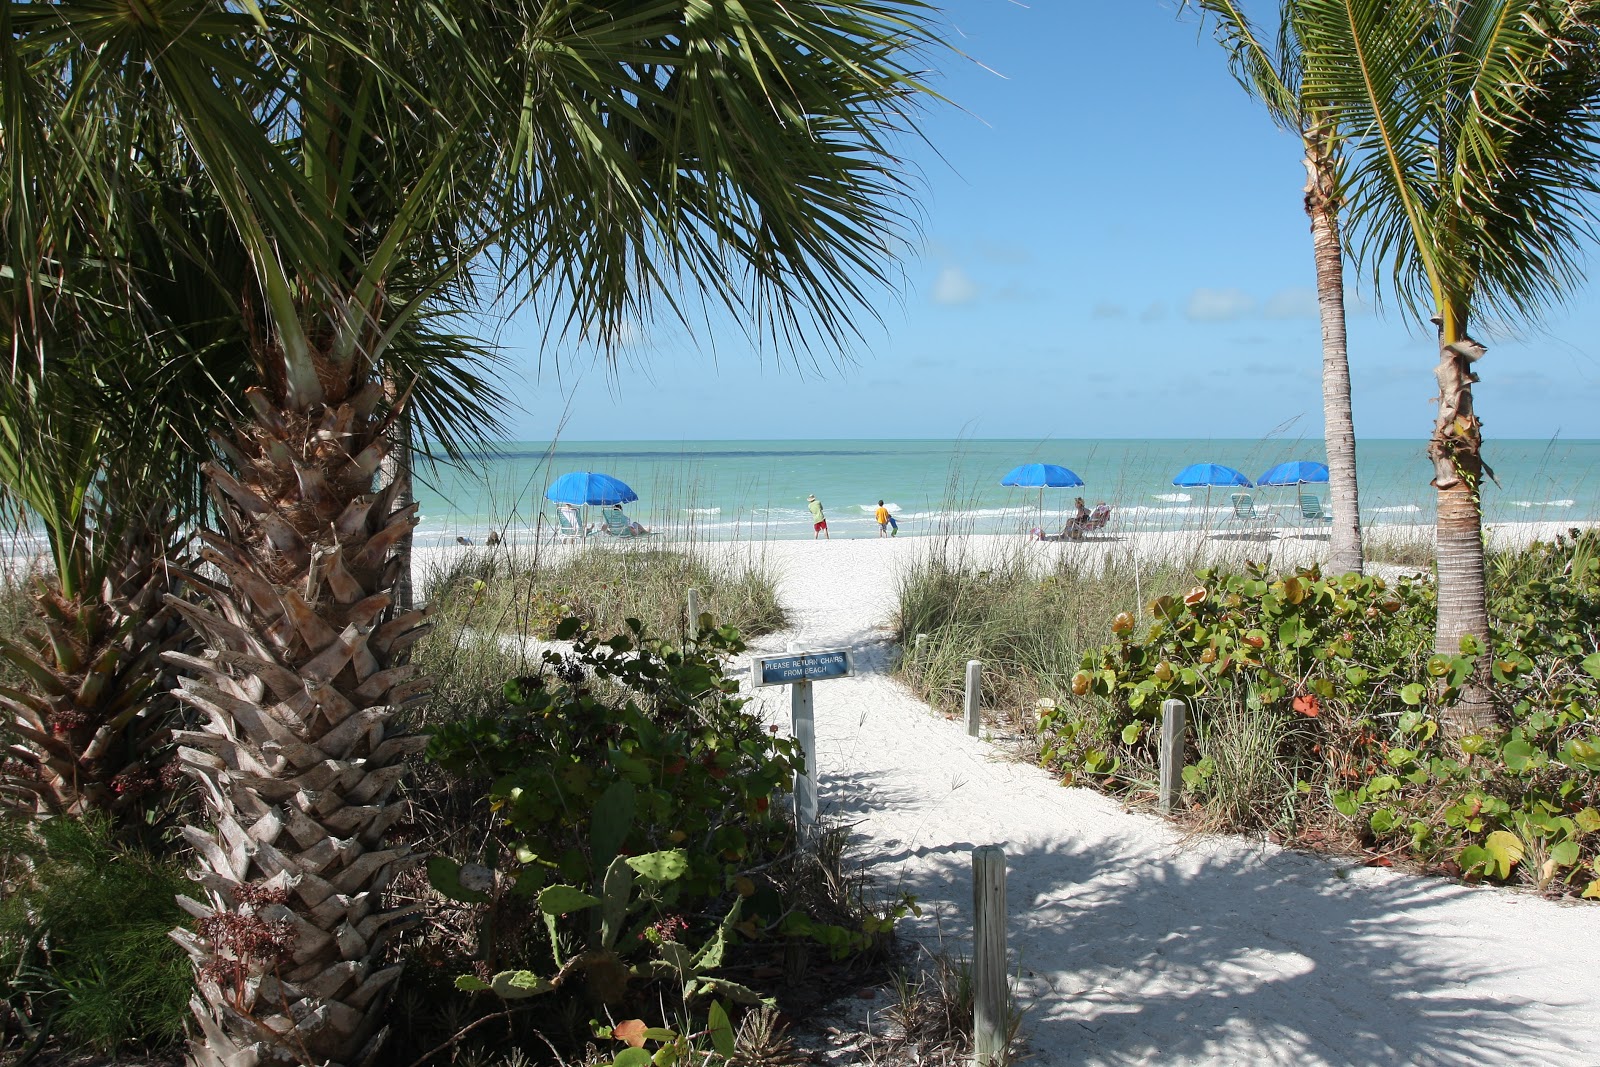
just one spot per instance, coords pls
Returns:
(1137, 944)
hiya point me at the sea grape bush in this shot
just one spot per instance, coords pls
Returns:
(626, 720)
(630, 795)
(1346, 663)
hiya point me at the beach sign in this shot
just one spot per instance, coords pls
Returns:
(798, 668)
(814, 665)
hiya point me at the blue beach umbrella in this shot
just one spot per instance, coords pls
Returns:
(1042, 476)
(1208, 474)
(1294, 472)
(586, 487)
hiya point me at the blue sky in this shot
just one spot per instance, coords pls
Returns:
(1113, 245)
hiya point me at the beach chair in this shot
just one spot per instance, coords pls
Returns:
(1312, 511)
(1098, 519)
(567, 527)
(617, 524)
(1246, 515)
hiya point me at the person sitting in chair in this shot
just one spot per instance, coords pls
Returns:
(619, 520)
(1075, 525)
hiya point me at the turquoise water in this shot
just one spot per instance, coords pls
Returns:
(757, 489)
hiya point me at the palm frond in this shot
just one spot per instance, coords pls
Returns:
(1268, 71)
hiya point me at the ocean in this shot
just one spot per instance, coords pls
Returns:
(719, 490)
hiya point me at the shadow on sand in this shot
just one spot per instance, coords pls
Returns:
(1220, 953)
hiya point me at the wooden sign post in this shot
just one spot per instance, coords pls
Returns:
(799, 670)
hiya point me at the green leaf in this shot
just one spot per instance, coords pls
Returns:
(1591, 663)
(612, 822)
(1505, 849)
(1588, 820)
(661, 866)
(1517, 755)
(469, 983)
(1565, 854)
(1346, 803)
(633, 1057)
(444, 874)
(1382, 820)
(564, 899)
(721, 1029)
(1131, 732)
(1412, 694)
(519, 985)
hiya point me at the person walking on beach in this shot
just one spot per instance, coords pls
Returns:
(886, 522)
(819, 525)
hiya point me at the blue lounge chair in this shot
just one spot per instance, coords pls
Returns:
(1312, 511)
(1245, 513)
(567, 526)
(619, 525)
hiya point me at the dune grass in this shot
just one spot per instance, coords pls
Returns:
(1028, 624)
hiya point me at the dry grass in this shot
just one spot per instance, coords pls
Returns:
(1030, 628)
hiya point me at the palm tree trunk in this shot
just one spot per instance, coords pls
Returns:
(299, 759)
(1339, 433)
(90, 714)
(397, 468)
(1456, 450)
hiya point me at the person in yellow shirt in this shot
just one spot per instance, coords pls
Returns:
(886, 523)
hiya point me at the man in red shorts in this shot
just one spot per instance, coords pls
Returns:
(819, 525)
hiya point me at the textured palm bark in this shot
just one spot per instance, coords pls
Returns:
(397, 469)
(88, 726)
(1339, 433)
(1456, 449)
(299, 758)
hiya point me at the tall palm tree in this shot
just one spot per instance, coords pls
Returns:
(380, 162)
(1271, 72)
(1475, 127)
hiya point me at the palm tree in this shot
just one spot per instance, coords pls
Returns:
(1475, 131)
(382, 162)
(1272, 74)
(100, 446)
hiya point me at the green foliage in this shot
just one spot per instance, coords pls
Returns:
(83, 927)
(626, 745)
(1314, 693)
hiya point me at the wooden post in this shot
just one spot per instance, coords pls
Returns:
(989, 993)
(803, 725)
(694, 616)
(1174, 715)
(916, 646)
(974, 693)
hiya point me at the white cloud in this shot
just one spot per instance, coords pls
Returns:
(1154, 313)
(1297, 302)
(1105, 309)
(1218, 305)
(954, 287)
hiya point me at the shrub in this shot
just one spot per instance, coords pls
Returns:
(633, 848)
(84, 924)
(1331, 683)
(625, 745)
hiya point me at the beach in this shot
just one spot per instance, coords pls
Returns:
(1131, 940)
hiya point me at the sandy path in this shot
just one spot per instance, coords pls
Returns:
(1137, 945)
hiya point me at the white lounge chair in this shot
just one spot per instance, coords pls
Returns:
(568, 527)
(1312, 511)
(1245, 514)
